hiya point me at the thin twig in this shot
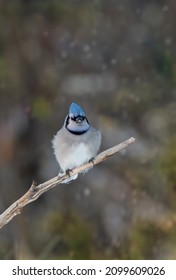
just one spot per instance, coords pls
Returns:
(35, 191)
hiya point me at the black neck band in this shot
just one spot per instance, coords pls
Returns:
(76, 132)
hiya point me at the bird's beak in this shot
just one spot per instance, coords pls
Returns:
(79, 119)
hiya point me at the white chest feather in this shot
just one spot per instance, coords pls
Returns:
(77, 156)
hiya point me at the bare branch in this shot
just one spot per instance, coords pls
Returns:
(36, 191)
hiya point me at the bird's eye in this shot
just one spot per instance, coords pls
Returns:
(73, 119)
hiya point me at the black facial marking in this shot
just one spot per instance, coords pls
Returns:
(86, 120)
(77, 119)
(67, 121)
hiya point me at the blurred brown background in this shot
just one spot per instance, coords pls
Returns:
(117, 59)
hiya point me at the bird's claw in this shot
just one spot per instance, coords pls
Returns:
(92, 160)
(68, 171)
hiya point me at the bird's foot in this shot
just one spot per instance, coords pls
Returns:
(92, 160)
(68, 172)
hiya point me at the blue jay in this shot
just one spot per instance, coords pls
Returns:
(76, 142)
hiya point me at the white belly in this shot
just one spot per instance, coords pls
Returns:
(77, 156)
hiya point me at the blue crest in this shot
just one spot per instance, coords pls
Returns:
(75, 110)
